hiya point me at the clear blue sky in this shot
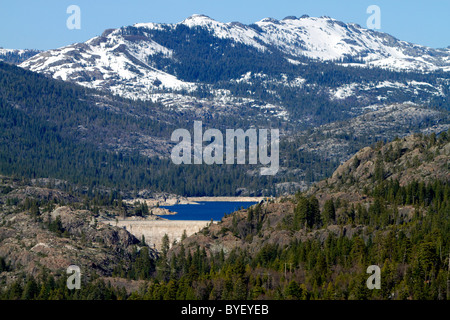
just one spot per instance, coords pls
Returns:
(41, 24)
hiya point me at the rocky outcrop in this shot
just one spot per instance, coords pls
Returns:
(413, 158)
(30, 245)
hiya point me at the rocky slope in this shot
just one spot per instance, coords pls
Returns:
(412, 158)
(52, 238)
(341, 139)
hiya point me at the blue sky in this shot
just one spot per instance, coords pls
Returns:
(42, 24)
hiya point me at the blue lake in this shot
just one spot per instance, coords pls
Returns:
(206, 210)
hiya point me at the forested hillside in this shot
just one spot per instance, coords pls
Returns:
(318, 245)
(52, 129)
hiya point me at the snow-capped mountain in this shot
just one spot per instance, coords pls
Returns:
(325, 39)
(113, 61)
(169, 62)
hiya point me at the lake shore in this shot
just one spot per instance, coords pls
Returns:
(171, 201)
(225, 199)
(153, 227)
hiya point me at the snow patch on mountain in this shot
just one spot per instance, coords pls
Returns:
(413, 87)
(109, 62)
(234, 30)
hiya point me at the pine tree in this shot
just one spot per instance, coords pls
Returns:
(301, 213)
(329, 212)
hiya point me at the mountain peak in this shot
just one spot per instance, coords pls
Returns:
(199, 16)
(290, 18)
(198, 19)
(271, 20)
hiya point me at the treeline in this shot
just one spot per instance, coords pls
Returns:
(415, 193)
(381, 212)
(49, 287)
(15, 57)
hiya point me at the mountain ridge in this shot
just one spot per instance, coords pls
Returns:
(287, 70)
(322, 39)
